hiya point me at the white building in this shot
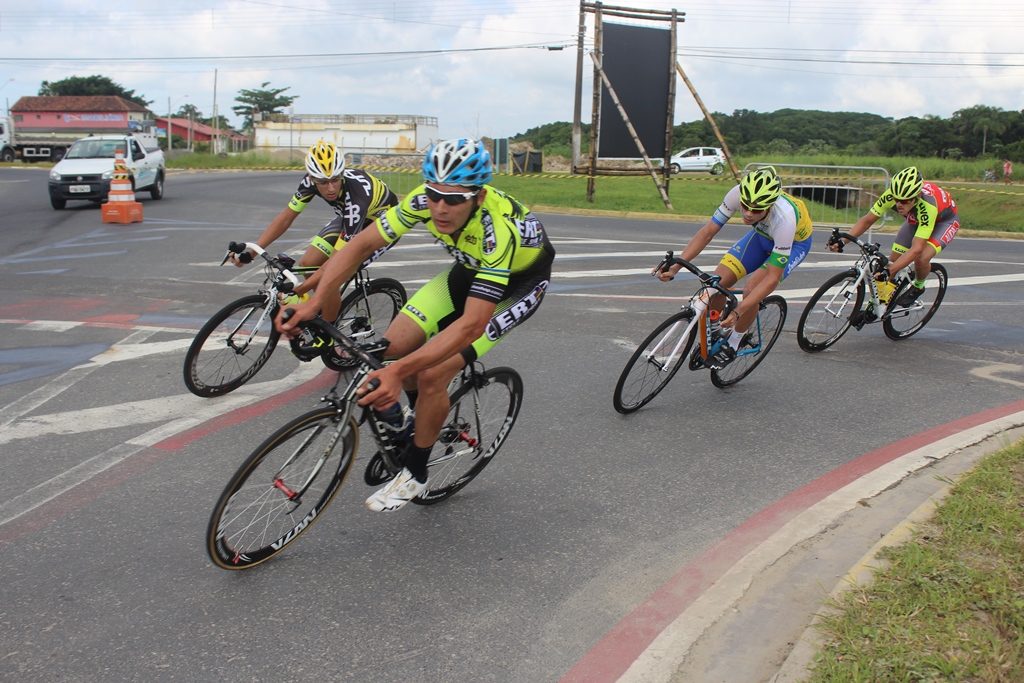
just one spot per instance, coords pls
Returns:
(353, 133)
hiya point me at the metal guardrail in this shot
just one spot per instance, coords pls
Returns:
(835, 195)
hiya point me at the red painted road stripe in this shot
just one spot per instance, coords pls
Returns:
(620, 647)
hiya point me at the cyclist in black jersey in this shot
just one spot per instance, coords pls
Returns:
(501, 271)
(356, 197)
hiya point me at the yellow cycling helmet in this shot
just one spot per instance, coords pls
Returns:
(324, 161)
(760, 188)
(906, 184)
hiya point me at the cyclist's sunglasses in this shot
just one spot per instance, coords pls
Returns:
(449, 198)
(752, 209)
(321, 182)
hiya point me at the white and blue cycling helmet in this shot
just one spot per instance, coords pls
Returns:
(463, 162)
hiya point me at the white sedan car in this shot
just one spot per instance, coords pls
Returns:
(708, 159)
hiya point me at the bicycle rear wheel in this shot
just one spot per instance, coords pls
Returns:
(365, 315)
(654, 363)
(901, 322)
(826, 318)
(483, 412)
(231, 347)
(281, 489)
(771, 316)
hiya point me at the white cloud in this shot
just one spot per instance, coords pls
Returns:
(505, 92)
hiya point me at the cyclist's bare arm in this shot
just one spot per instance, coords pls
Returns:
(275, 229)
(692, 249)
(859, 228)
(328, 279)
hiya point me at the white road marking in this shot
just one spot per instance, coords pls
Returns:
(122, 352)
(789, 294)
(992, 372)
(58, 385)
(189, 411)
(51, 325)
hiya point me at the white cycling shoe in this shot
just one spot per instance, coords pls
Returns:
(396, 493)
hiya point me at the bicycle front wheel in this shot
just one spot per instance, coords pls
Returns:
(483, 412)
(901, 322)
(366, 314)
(654, 363)
(281, 489)
(756, 344)
(826, 318)
(231, 347)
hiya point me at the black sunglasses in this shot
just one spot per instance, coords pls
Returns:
(449, 198)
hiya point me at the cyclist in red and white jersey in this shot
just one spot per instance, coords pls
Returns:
(930, 223)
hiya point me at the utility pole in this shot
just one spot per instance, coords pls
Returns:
(216, 127)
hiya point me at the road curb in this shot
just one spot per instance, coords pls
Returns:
(667, 652)
(795, 668)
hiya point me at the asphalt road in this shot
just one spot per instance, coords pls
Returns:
(111, 468)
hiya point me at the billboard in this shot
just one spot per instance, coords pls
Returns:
(638, 61)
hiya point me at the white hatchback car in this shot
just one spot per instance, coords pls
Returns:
(708, 159)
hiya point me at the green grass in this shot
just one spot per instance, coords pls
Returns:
(950, 604)
(983, 206)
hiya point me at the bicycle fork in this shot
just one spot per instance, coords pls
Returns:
(664, 365)
(266, 311)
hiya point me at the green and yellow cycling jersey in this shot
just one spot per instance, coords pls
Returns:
(501, 241)
(934, 207)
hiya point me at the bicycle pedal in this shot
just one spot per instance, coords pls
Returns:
(377, 471)
(861, 318)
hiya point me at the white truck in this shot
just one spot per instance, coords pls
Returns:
(86, 169)
(37, 144)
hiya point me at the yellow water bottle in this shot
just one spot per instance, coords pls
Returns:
(885, 290)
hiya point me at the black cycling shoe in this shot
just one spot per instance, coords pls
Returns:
(909, 296)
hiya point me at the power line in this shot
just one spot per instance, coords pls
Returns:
(320, 55)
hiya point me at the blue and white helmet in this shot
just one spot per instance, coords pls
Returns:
(463, 162)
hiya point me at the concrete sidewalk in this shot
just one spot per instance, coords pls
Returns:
(755, 622)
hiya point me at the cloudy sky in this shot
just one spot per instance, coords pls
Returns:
(485, 67)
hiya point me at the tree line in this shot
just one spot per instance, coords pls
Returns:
(251, 102)
(975, 132)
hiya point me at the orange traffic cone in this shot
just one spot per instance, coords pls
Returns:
(121, 206)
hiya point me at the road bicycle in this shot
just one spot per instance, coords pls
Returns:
(863, 295)
(285, 484)
(238, 340)
(659, 357)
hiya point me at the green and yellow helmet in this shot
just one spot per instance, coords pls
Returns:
(324, 161)
(760, 188)
(906, 184)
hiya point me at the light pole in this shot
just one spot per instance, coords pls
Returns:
(9, 80)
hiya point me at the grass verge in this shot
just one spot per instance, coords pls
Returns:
(949, 604)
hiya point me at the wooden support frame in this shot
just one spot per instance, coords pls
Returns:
(592, 169)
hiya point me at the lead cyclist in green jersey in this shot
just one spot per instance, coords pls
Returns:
(502, 269)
